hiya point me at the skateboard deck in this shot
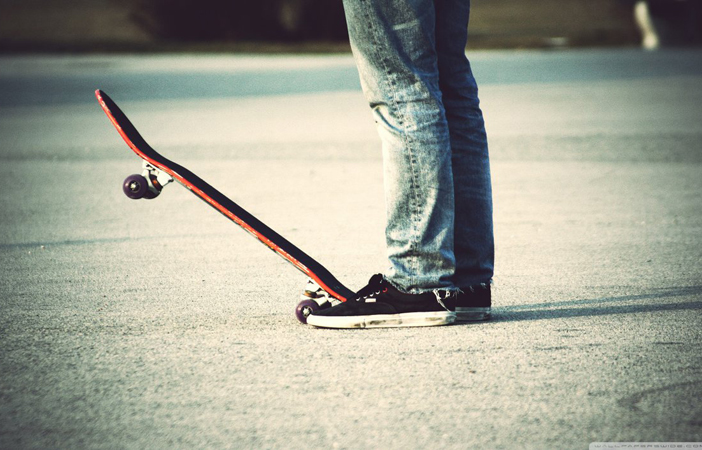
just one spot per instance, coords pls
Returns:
(159, 171)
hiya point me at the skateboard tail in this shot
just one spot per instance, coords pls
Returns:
(130, 134)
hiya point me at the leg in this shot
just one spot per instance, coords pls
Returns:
(394, 46)
(474, 243)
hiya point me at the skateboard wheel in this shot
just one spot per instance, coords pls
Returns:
(135, 186)
(151, 194)
(305, 308)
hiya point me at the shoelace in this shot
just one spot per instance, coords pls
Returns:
(376, 286)
(440, 298)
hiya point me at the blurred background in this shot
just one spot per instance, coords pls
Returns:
(318, 25)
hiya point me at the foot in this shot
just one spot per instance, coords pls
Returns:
(381, 305)
(473, 303)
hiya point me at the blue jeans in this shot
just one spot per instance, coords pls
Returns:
(416, 77)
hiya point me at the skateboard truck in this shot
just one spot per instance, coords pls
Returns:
(313, 298)
(147, 185)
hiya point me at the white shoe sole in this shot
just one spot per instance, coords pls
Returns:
(418, 319)
(472, 314)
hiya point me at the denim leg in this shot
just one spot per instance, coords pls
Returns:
(474, 241)
(394, 44)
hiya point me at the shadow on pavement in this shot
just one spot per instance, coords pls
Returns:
(560, 310)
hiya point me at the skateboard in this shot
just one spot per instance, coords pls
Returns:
(322, 290)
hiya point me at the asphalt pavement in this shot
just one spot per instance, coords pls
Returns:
(159, 324)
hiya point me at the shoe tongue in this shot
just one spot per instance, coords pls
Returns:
(376, 280)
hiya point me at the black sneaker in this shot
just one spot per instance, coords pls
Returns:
(381, 305)
(473, 303)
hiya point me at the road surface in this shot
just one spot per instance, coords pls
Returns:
(158, 324)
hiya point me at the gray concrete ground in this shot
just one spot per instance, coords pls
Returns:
(157, 324)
